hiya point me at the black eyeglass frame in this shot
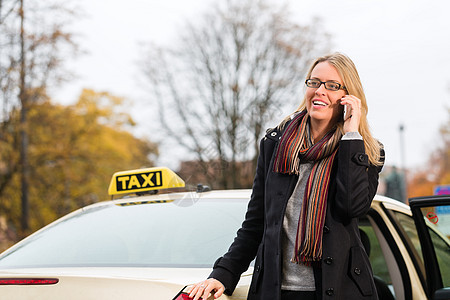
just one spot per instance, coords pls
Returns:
(341, 87)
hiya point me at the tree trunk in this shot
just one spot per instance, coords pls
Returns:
(23, 127)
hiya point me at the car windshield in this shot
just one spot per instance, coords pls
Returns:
(179, 233)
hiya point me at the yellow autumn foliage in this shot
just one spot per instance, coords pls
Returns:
(73, 152)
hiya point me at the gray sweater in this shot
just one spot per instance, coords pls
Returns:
(295, 277)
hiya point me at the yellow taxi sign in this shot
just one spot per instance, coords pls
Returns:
(143, 180)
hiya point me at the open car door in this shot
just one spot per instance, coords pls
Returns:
(432, 219)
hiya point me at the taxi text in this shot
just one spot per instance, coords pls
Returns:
(139, 181)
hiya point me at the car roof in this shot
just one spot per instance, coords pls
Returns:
(390, 203)
(219, 194)
(238, 194)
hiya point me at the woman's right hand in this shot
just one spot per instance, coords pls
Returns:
(204, 288)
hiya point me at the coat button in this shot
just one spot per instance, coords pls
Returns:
(273, 133)
(357, 271)
(258, 268)
(329, 292)
(361, 157)
(326, 229)
(329, 260)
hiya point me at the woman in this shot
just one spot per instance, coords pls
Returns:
(317, 173)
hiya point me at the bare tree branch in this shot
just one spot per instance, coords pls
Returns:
(230, 74)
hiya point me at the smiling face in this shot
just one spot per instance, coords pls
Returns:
(323, 105)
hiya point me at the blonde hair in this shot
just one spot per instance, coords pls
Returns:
(350, 77)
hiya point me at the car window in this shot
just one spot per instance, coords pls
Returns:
(173, 234)
(408, 227)
(438, 220)
(376, 257)
(382, 277)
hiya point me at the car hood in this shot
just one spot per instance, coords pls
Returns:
(109, 283)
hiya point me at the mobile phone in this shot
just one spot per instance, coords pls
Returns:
(345, 112)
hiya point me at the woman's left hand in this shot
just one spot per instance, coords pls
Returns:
(202, 290)
(353, 115)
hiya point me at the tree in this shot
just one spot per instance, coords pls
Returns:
(74, 150)
(33, 40)
(228, 76)
(437, 170)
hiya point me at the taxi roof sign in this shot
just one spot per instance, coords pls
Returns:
(142, 180)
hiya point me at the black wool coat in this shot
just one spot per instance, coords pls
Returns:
(345, 271)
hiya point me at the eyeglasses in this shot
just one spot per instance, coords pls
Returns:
(329, 85)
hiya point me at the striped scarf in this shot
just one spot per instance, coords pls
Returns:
(295, 146)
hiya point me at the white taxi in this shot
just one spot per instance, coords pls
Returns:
(154, 245)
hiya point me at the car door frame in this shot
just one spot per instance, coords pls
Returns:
(434, 289)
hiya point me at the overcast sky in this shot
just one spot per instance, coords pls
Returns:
(400, 48)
